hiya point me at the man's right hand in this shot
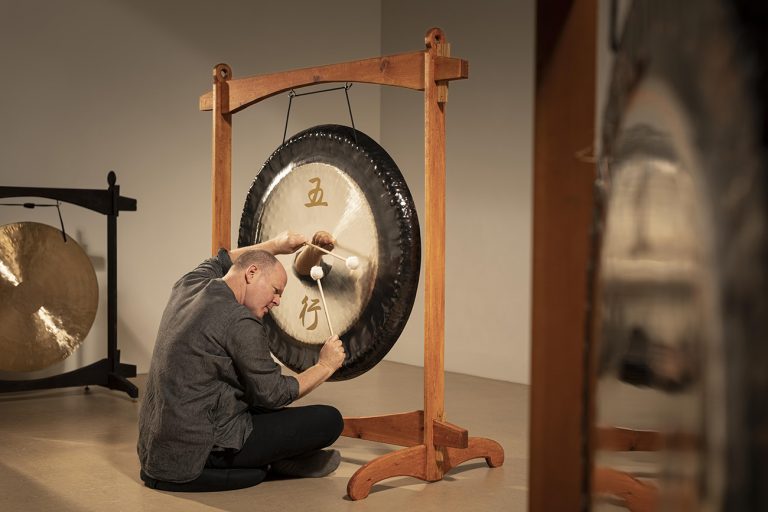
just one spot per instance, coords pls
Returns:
(331, 358)
(332, 354)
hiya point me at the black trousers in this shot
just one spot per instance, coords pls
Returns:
(277, 435)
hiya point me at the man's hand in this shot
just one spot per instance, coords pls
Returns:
(310, 256)
(324, 239)
(287, 242)
(332, 354)
(331, 358)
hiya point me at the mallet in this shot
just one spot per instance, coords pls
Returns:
(317, 274)
(352, 262)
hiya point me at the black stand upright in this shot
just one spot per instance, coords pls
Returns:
(109, 372)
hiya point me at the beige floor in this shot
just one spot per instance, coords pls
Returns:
(66, 450)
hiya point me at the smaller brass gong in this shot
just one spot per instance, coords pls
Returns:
(48, 296)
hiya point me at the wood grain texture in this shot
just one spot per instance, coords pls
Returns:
(449, 435)
(402, 70)
(221, 177)
(405, 462)
(403, 429)
(434, 262)
(477, 447)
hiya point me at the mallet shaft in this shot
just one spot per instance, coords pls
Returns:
(326, 251)
(325, 307)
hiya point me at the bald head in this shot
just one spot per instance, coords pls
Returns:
(257, 279)
(261, 259)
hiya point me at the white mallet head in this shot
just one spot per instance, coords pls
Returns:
(353, 263)
(316, 272)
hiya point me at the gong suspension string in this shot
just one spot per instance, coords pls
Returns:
(349, 106)
(34, 205)
(293, 94)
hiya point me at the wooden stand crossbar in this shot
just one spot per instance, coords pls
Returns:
(432, 445)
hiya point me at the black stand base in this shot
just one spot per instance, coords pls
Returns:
(96, 374)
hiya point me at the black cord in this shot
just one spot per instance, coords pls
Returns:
(34, 205)
(293, 94)
(349, 106)
(61, 220)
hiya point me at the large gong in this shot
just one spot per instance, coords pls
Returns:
(337, 179)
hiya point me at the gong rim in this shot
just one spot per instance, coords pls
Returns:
(383, 317)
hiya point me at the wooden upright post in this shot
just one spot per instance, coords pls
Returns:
(434, 280)
(562, 214)
(221, 178)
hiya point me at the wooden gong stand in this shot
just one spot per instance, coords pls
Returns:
(433, 446)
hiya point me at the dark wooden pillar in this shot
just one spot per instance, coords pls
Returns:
(562, 212)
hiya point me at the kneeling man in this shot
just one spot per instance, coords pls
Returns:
(213, 415)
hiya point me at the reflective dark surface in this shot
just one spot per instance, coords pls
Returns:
(657, 317)
(679, 308)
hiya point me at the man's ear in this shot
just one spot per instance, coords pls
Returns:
(250, 273)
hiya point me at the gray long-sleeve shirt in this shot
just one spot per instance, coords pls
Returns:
(210, 363)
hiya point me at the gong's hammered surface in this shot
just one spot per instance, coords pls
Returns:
(340, 208)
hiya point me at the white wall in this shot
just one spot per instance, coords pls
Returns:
(94, 85)
(489, 126)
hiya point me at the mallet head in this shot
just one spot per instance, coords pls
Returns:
(353, 262)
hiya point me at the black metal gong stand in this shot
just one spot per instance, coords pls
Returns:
(109, 372)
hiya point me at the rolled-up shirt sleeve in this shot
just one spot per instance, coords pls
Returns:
(224, 261)
(265, 385)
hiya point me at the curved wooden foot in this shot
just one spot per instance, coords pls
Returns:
(477, 447)
(406, 462)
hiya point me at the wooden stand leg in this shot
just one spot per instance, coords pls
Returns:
(450, 443)
(406, 462)
(478, 447)
(413, 461)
